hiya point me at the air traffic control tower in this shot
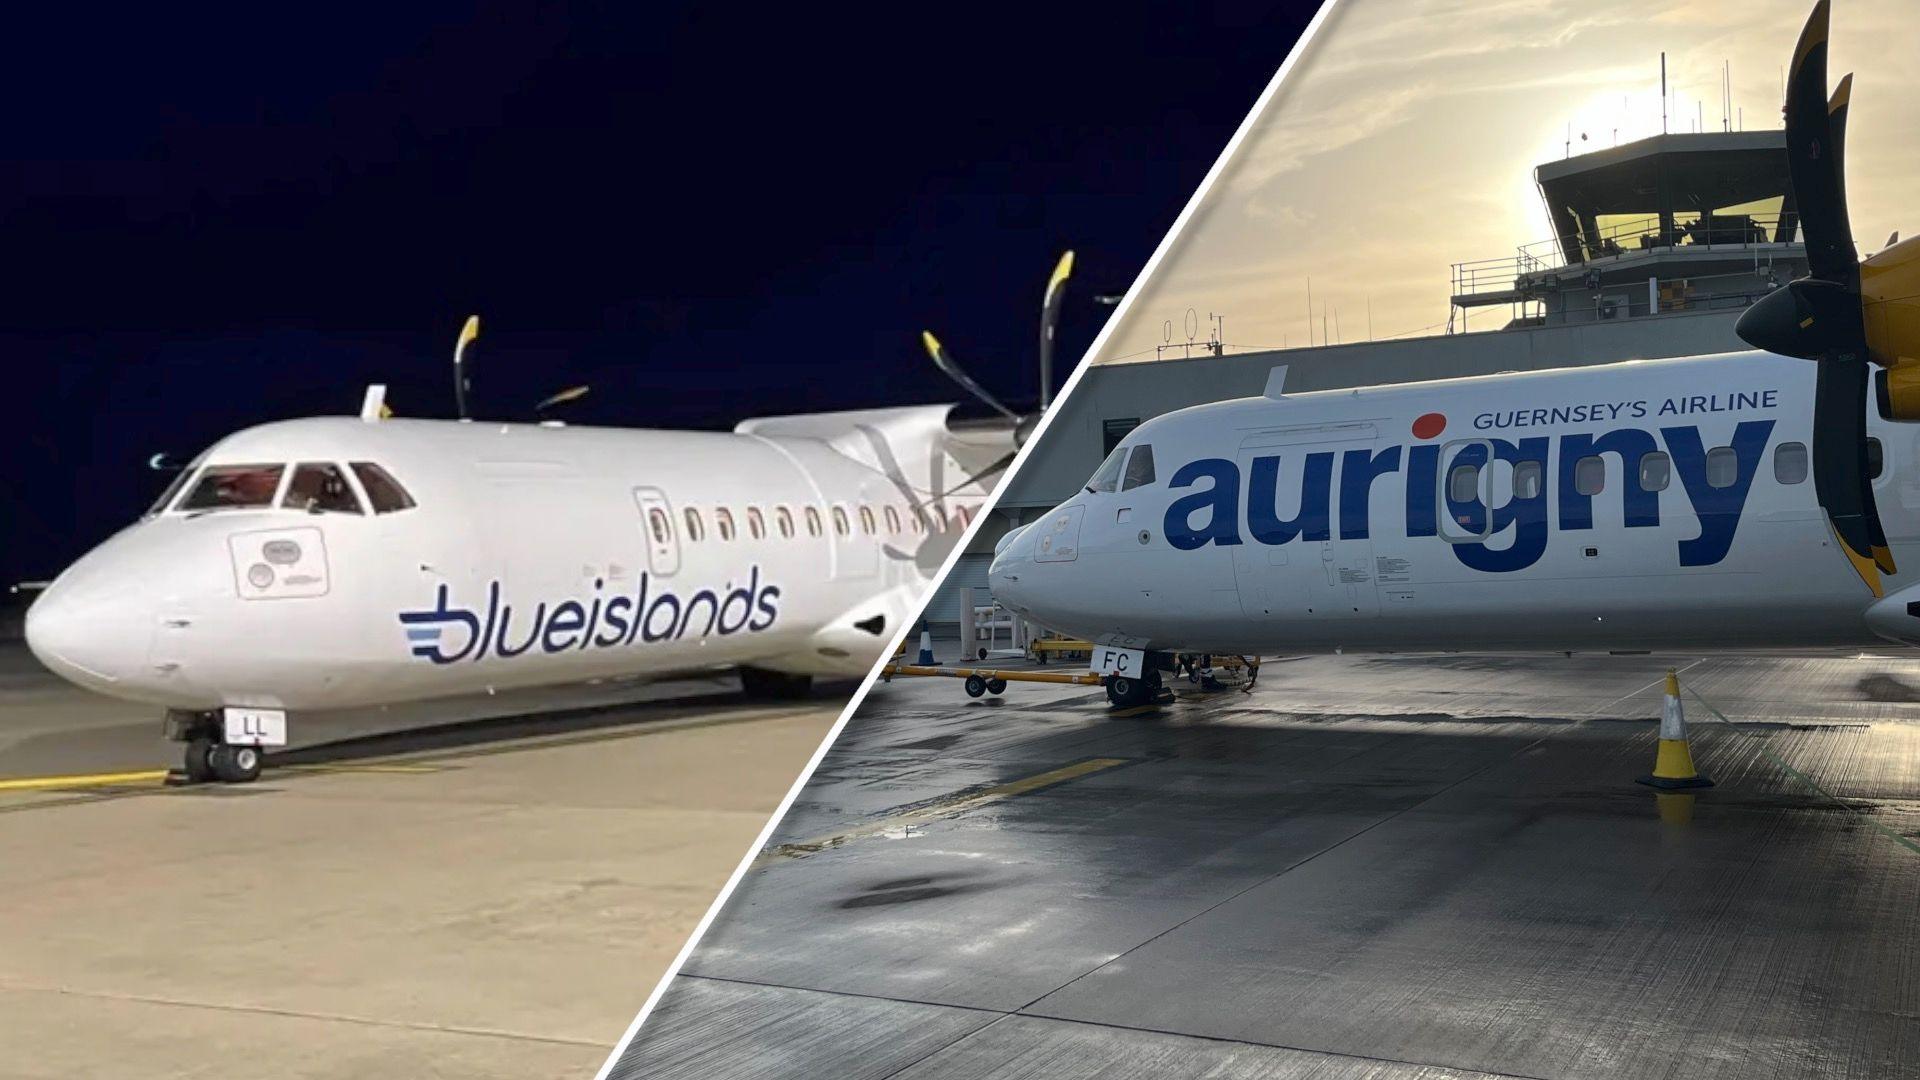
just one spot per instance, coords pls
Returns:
(1659, 245)
(1668, 225)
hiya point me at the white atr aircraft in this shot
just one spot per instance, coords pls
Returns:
(340, 561)
(1747, 499)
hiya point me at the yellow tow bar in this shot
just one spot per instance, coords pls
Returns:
(1084, 678)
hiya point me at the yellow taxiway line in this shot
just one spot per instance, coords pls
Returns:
(943, 808)
(54, 783)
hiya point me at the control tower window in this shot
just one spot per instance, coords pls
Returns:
(1108, 476)
(383, 491)
(1139, 468)
(234, 487)
(320, 488)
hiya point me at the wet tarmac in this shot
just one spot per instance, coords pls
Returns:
(1417, 866)
(470, 899)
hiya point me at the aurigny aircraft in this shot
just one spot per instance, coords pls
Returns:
(1743, 500)
(339, 561)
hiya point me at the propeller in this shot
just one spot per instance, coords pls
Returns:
(461, 384)
(1826, 316)
(1023, 424)
(932, 552)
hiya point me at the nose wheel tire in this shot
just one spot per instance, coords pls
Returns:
(976, 686)
(235, 764)
(996, 686)
(199, 764)
(1124, 691)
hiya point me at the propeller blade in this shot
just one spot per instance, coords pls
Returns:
(571, 393)
(1050, 321)
(999, 466)
(468, 334)
(1821, 317)
(1840, 465)
(1813, 156)
(953, 371)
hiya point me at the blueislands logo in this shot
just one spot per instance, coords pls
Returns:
(596, 622)
(1233, 506)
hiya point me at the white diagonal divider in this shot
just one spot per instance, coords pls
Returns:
(1167, 242)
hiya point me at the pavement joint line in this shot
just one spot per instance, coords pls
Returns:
(1004, 1014)
(301, 1014)
(950, 806)
(1767, 752)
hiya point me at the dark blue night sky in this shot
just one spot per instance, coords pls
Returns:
(708, 212)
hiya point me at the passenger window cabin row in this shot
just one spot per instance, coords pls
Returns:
(781, 522)
(1654, 471)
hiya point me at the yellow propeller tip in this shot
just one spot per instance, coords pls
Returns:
(1061, 271)
(932, 343)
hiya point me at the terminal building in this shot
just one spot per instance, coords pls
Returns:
(1659, 245)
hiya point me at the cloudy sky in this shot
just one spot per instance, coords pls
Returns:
(1405, 138)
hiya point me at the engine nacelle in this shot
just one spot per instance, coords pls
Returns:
(1898, 391)
(1890, 303)
(1890, 307)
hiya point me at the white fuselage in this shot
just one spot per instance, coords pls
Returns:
(532, 555)
(1639, 505)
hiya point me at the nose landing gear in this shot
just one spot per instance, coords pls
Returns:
(1126, 691)
(209, 756)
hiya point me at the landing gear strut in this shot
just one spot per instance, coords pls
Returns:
(209, 756)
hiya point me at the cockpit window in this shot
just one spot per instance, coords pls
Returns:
(383, 491)
(232, 487)
(1108, 478)
(174, 487)
(1139, 468)
(320, 488)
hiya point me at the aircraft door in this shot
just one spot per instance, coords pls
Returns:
(1465, 491)
(659, 530)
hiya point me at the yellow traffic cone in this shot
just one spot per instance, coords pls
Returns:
(1673, 766)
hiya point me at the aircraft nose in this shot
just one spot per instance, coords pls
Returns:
(87, 628)
(1009, 575)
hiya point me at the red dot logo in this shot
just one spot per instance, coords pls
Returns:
(1429, 426)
